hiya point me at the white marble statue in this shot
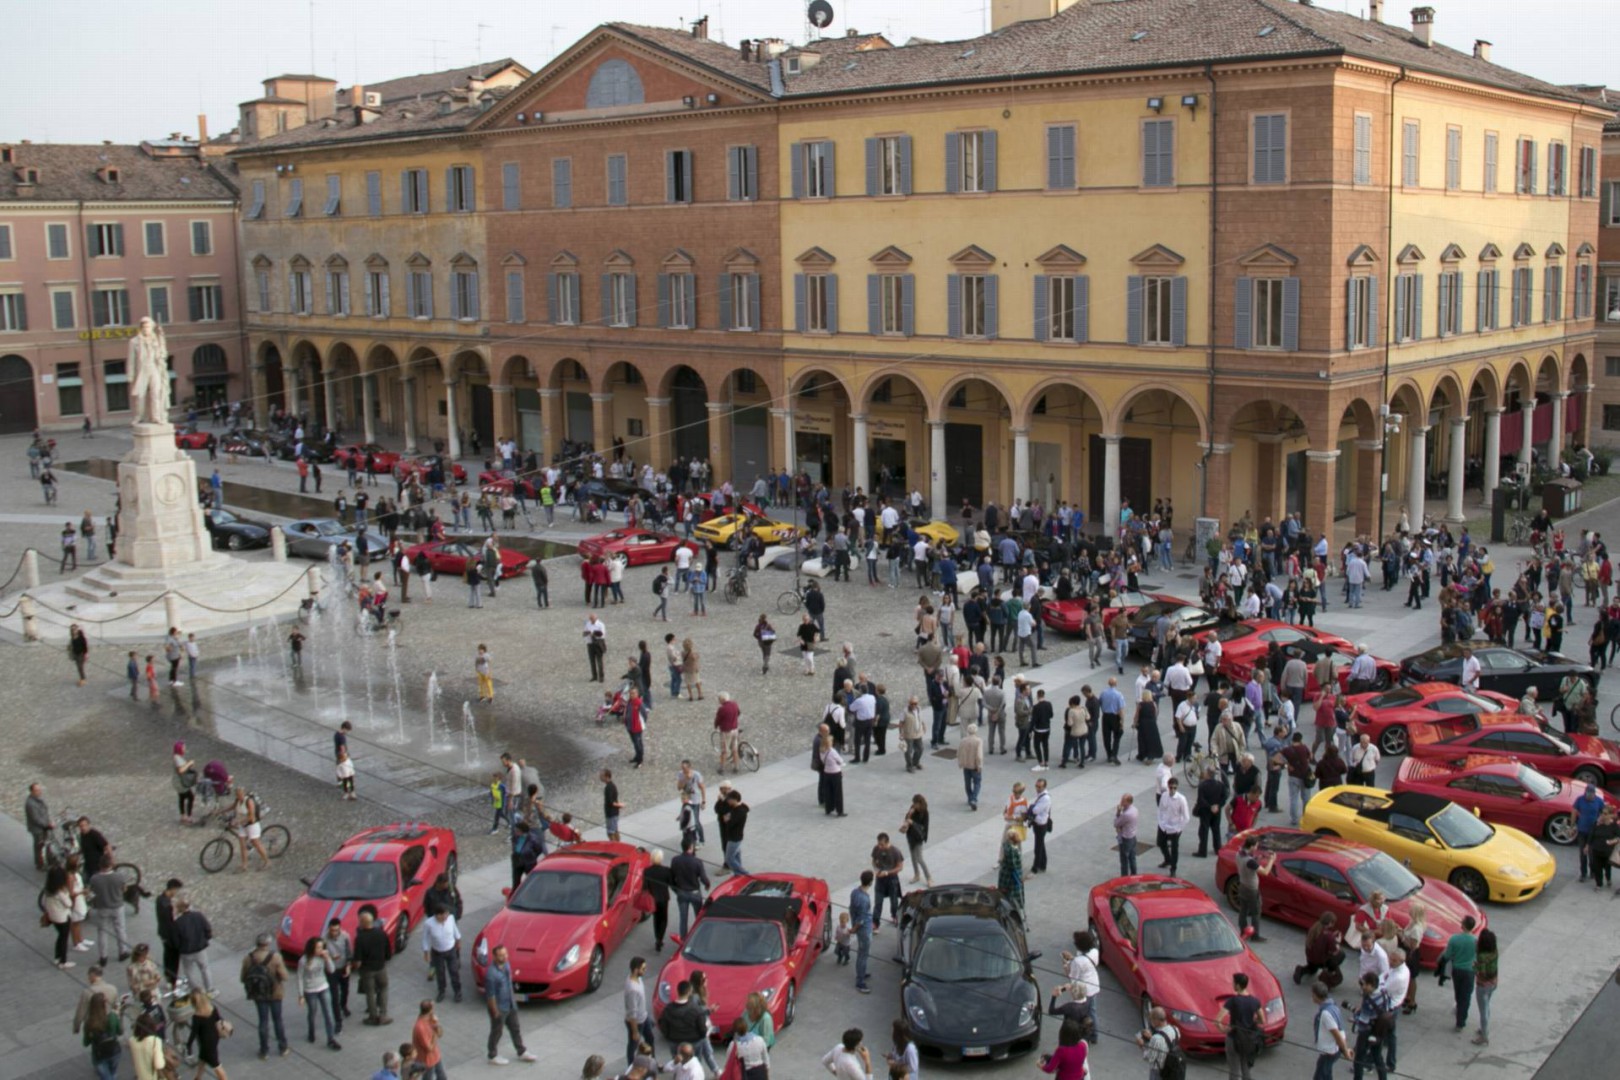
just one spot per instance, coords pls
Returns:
(149, 363)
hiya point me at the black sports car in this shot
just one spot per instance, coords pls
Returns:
(1504, 670)
(250, 441)
(967, 987)
(226, 530)
(1188, 618)
(612, 494)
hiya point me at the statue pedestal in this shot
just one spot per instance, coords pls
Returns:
(160, 522)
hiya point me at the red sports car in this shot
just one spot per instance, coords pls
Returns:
(1502, 790)
(763, 932)
(1586, 758)
(562, 923)
(639, 546)
(417, 468)
(1244, 644)
(501, 484)
(1388, 716)
(451, 556)
(1314, 874)
(1169, 945)
(1069, 616)
(189, 438)
(372, 458)
(390, 867)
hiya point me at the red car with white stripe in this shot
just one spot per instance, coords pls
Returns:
(1502, 790)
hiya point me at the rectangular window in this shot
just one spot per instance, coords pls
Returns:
(460, 192)
(69, 390)
(334, 195)
(1557, 169)
(1453, 158)
(975, 305)
(1525, 183)
(105, 241)
(63, 317)
(744, 290)
(894, 165)
(680, 301)
(1611, 416)
(207, 302)
(5, 242)
(742, 174)
(155, 238)
(374, 194)
(1362, 316)
(13, 313)
(378, 303)
(1489, 300)
(1611, 367)
(1063, 309)
(1408, 307)
(893, 303)
(817, 304)
(972, 160)
(1523, 285)
(678, 176)
(1589, 172)
(464, 295)
(337, 292)
(1411, 142)
(57, 242)
(301, 292)
(621, 305)
(261, 281)
(1158, 153)
(115, 377)
(413, 191)
(1271, 148)
(1611, 203)
(1610, 309)
(1490, 162)
(157, 304)
(511, 186)
(1552, 301)
(1156, 306)
(295, 198)
(514, 296)
(1060, 167)
(1450, 303)
(419, 295)
(109, 307)
(618, 186)
(1583, 291)
(202, 238)
(818, 170)
(1268, 313)
(562, 182)
(1363, 149)
(255, 209)
(564, 298)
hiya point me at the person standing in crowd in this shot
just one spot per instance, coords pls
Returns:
(425, 1036)
(1486, 960)
(860, 917)
(689, 880)
(1462, 952)
(638, 1021)
(1125, 821)
(78, 649)
(264, 980)
(1251, 867)
(970, 759)
(1173, 817)
(371, 951)
(1239, 1018)
(441, 950)
(315, 990)
(1040, 823)
(1327, 1029)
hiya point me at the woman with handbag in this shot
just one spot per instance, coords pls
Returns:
(57, 902)
(1411, 939)
(207, 1028)
(148, 1053)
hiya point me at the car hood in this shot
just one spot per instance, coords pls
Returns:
(1201, 987)
(535, 941)
(729, 984)
(1447, 908)
(969, 1013)
(310, 914)
(1593, 746)
(1510, 847)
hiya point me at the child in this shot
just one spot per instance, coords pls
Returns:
(841, 938)
(606, 709)
(151, 677)
(295, 643)
(486, 685)
(134, 677)
(564, 830)
(345, 774)
(497, 799)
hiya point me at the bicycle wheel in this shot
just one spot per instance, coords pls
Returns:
(732, 592)
(788, 603)
(748, 755)
(1193, 769)
(1614, 718)
(131, 872)
(276, 840)
(216, 854)
(714, 739)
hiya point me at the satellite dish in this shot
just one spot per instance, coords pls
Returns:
(821, 14)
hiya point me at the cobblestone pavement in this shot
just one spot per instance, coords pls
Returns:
(101, 754)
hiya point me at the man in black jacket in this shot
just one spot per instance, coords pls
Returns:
(165, 925)
(689, 879)
(371, 952)
(1212, 793)
(685, 1020)
(191, 936)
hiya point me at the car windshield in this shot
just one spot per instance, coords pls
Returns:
(329, 527)
(1233, 630)
(356, 881)
(1380, 873)
(734, 941)
(556, 892)
(1563, 744)
(1457, 828)
(1538, 784)
(1190, 937)
(957, 958)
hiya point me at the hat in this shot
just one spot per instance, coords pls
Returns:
(179, 747)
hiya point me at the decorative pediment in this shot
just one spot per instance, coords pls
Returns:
(565, 260)
(1524, 251)
(463, 261)
(298, 262)
(973, 257)
(1555, 250)
(418, 261)
(1585, 251)
(1362, 256)
(1062, 257)
(891, 256)
(1410, 254)
(375, 261)
(679, 260)
(740, 258)
(1453, 253)
(815, 258)
(512, 258)
(1268, 257)
(1157, 255)
(1490, 253)
(261, 262)
(618, 257)
(336, 262)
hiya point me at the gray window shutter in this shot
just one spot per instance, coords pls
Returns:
(510, 190)
(630, 290)
(992, 305)
(734, 164)
(64, 310)
(1082, 310)
(194, 302)
(422, 191)
(471, 309)
(953, 163)
(832, 303)
(1351, 310)
(607, 299)
(953, 305)
(98, 308)
(455, 295)
(796, 167)
(407, 190)
(90, 240)
(1178, 311)
(754, 304)
(514, 296)
(1243, 314)
(1054, 170)
(553, 315)
(1535, 151)
(118, 239)
(371, 296)
(686, 176)
(873, 174)
(1133, 310)
(1417, 307)
(1444, 307)
(874, 304)
(691, 300)
(154, 240)
(386, 305)
(1400, 306)
(1042, 297)
(751, 156)
(801, 313)
(726, 321)
(905, 164)
(562, 181)
(1605, 202)
(1374, 333)
(908, 304)
(669, 176)
(374, 194)
(663, 300)
(829, 169)
(990, 171)
(1291, 314)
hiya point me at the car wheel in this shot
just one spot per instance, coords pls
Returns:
(1395, 740)
(788, 1002)
(1381, 681)
(452, 868)
(593, 979)
(1586, 774)
(402, 933)
(1471, 883)
(1231, 892)
(1561, 829)
(234, 542)
(1326, 832)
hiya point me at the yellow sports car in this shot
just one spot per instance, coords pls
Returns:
(726, 529)
(938, 532)
(1435, 837)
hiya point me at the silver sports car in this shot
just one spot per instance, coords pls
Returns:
(314, 538)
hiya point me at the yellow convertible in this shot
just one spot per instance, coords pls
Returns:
(935, 532)
(1435, 837)
(726, 529)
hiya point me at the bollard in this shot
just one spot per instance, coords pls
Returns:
(278, 544)
(30, 618)
(171, 608)
(31, 569)
(314, 577)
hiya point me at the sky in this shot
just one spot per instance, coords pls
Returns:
(131, 69)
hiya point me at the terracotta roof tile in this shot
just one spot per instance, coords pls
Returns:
(68, 172)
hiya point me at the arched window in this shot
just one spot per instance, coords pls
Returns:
(614, 83)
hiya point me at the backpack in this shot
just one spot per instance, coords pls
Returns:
(257, 981)
(1175, 1059)
(658, 585)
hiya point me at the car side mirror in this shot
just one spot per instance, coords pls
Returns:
(308, 884)
(1527, 796)
(506, 893)
(1034, 956)
(675, 940)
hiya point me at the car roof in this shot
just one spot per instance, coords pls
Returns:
(384, 842)
(1424, 769)
(1286, 841)
(588, 858)
(1163, 896)
(1377, 805)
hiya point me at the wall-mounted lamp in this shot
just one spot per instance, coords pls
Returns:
(1155, 103)
(713, 99)
(688, 101)
(523, 118)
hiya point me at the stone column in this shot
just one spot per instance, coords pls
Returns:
(1417, 452)
(602, 423)
(658, 423)
(1217, 483)
(551, 424)
(720, 442)
(1493, 452)
(452, 420)
(1459, 463)
(259, 388)
(368, 405)
(1527, 415)
(1369, 485)
(1321, 491)
(502, 408)
(936, 468)
(790, 453)
(409, 383)
(1555, 444)
(1110, 521)
(292, 375)
(1020, 488)
(1270, 478)
(863, 452)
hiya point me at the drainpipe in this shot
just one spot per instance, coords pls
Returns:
(1387, 311)
(89, 379)
(1214, 211)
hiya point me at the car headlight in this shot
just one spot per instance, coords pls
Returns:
(919, 1017)
(1187, 1020)
(1431, 934)
(663, 992)
(1512, 872)
(481, 950)
(766, 992)
(1274, 1008)
(568, 958)
(1026, 1012)
(286, 925)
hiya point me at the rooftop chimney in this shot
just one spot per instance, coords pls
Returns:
(1423, 25)
(700, 29)
(1375, 10)
(202, 127)
(1482, 50)
(746, 51)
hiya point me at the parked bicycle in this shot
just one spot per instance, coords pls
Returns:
(790, 602)
(1519, 531)
(736, 584)
(1193, 769)
(217, 853)
(745, 750)
(177, 1030)
(133, 892)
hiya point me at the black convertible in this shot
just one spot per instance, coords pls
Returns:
(1504, 670)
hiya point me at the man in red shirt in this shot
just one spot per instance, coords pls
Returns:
(425, 1041)
(1244, 810)
(726, 721)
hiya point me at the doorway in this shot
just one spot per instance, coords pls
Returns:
(483, 413)
(814, 454)
(18, 410)
(964, 466)
(1135, 477)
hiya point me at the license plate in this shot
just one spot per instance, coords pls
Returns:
(975, 1051)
